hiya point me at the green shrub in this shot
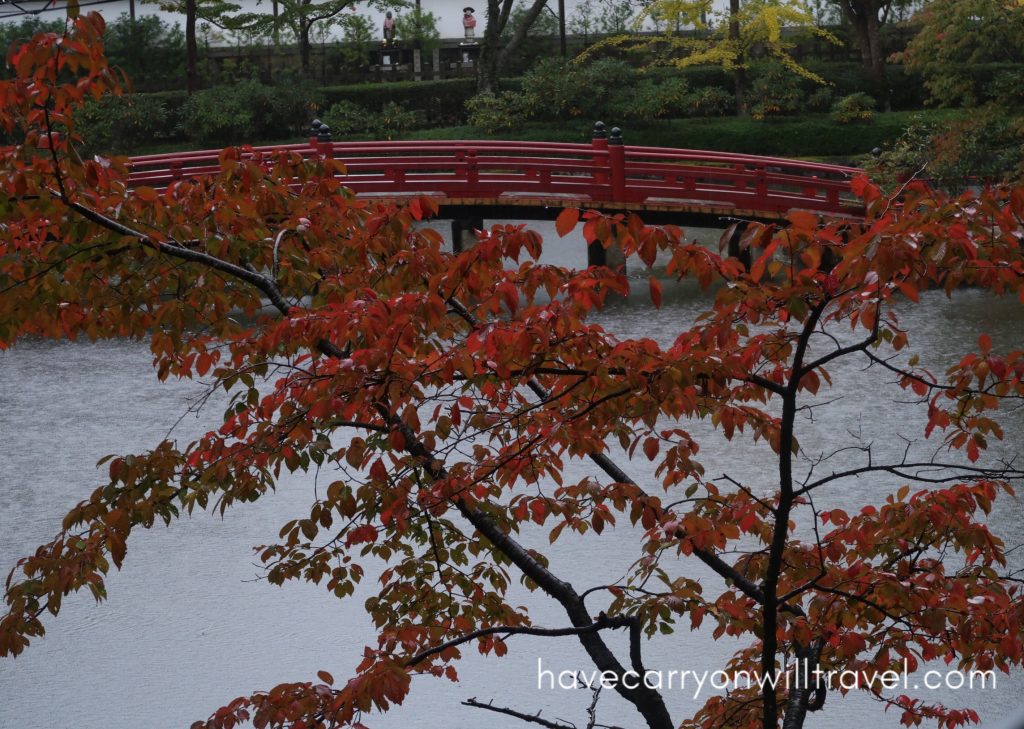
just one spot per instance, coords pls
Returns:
(120, 124)
(649, 98)
(247, 112)
(438, 103)
(820, 99)
(708, 76)
(857, 107)
(557, 89)
(710, 101)
(392, 121)
(490, 112)
(346, 117)
(776, 91)
(604, 89)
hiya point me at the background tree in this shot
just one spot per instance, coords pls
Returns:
(417, 28)
(358, 34)
(494, 50)
(867, 17)
(148, 49)
(215, 12)
(583, 20)
(300, 17)
(443, 395)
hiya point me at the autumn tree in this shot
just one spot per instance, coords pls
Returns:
(442, 396)
(724, 37)
(969, 52)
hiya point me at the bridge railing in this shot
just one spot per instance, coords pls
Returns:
(605, 173)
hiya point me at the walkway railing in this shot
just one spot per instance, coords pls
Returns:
(606, 174)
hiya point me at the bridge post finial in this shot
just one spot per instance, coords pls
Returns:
(599, 132)
(616, 137)
(323, 141)
(314, 131)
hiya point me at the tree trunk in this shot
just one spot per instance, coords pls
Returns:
(492, 56)
(191, 48)
(864, 16)
(304, 50)
(277, 31)
(740, 73)
(304, 27)
(807, 694)
(487, 72)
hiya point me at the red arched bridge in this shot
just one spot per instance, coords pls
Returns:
(474, 180)
(497, 179)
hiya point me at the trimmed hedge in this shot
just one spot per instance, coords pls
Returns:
(808, 136)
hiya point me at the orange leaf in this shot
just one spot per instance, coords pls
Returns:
(802, 220)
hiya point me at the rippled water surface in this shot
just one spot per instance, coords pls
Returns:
(188, 626)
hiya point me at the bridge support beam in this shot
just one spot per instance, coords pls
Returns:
(612, 256)
(464, 233)
(734, 245)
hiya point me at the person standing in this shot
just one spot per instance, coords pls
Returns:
(389, 29)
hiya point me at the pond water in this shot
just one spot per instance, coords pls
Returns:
(188, 625)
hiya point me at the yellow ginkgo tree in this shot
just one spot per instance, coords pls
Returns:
(723, 37)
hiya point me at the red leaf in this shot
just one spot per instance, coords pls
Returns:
(325, 677)
(655, 285)
(566, 221)
(416, 209)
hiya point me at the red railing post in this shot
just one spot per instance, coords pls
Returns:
(761, 183)
(472, 172)
(599, 142)
(617, 163)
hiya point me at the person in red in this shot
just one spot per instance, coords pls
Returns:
(389, 29)
(469, 23)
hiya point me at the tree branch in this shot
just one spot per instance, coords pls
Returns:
(530, 718)
(603, 622)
